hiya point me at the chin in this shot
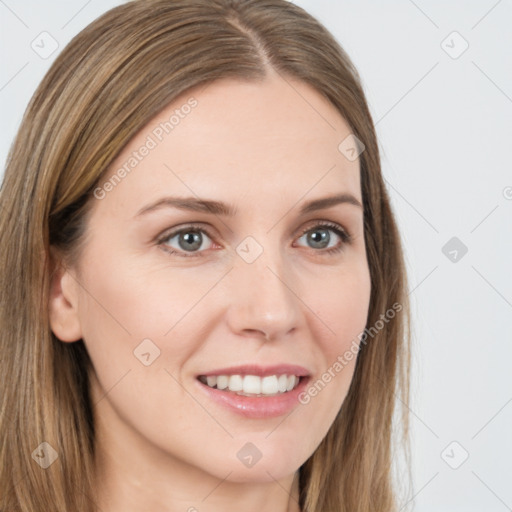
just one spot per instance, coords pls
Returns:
(253, 465)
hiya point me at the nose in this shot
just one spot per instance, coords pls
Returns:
(262, 300)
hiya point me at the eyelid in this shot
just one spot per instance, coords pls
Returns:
(167, 234)
(342, 232)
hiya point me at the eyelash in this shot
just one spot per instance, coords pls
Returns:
(345, 237)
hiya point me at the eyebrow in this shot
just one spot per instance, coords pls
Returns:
(219, 208)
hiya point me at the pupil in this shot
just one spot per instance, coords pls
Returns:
(192, 240)
(320, 238)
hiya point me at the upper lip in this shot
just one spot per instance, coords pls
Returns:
(261, 371)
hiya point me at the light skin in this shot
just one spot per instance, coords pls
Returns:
(266, 149)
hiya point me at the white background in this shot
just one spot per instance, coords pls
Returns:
(445, 131)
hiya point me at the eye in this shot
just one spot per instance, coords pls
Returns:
(319, 237)
(190, 239)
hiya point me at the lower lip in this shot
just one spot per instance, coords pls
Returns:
(256, 407)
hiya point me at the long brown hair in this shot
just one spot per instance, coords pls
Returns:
(109, 81)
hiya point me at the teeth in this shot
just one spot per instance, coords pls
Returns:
(282, 381)
(252, 385)
(222, 382)
(269, 385)
(236, 383)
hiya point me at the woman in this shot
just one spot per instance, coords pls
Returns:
(204, 300)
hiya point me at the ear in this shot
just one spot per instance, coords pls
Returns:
(63, 301)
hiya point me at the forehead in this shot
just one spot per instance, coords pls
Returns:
(270, 141)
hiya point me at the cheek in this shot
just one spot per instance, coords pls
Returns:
(125, 314)
(144, 320)
(341, 305)
(136, 301)
(341, 312)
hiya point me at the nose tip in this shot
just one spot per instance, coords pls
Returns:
(261, 301)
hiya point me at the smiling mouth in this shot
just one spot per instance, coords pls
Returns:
(252, 385)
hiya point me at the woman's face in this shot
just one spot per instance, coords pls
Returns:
(212, 255)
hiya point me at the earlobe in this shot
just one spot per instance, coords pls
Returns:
(63, 304)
